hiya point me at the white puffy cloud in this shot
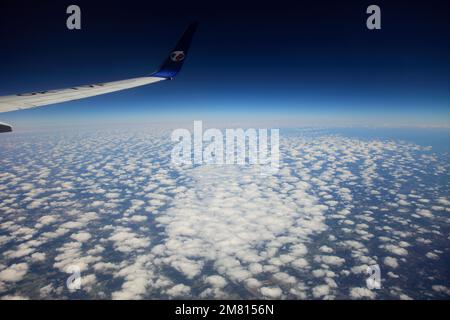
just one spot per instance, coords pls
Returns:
(38, 257)
(81, 236)
(326, 249)
(14, 273)
(362, 293)
(396, 250)
(330, 260)
(391, 262)
(271, 292)
(125, 240)
(441, 289)
(432, 256)
(216, 281)
(320, 291)
(179, 290)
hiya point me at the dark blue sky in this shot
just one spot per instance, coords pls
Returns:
(297, 59)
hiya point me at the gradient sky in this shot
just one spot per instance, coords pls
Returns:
(283, 60)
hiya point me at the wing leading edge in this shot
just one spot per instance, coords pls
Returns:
(168, 70)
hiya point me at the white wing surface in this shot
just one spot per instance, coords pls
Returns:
(43, 98)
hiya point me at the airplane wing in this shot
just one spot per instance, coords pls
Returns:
(168, 70)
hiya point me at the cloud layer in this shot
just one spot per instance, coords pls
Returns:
(138, 227)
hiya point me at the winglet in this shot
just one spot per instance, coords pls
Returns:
(5, 127)
(173, 63)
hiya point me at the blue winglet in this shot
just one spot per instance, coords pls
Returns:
(173, 63)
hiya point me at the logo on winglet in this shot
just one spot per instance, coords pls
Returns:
(177, 56)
